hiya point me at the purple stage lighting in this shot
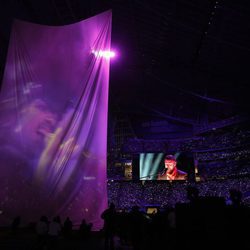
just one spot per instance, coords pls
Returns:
(103, 53)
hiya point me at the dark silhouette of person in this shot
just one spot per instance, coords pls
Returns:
(109, 217)
(235, 197)
(85, 229)
(15, 225)
(237, 221)
(171, 172)
(67, 228)
(54, 232)
(138, 227)
(42, 228)
(192, 194)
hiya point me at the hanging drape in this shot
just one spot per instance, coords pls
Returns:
(53, 121)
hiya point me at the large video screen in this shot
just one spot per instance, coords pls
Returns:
(178, 166)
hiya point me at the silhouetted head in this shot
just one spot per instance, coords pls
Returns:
(135, 208)
(112, 205)
(192, 193)
(235, 196)
(43, 218)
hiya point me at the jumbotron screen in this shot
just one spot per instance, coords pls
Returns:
(177, 166)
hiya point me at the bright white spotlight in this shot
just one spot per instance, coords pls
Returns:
(103, 53)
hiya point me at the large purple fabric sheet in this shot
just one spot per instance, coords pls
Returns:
(53, 122)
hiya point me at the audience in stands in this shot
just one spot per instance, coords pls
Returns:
(189, 223)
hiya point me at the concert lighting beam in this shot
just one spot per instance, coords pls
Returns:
(103, 53)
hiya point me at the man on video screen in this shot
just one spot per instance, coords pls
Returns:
(171, 172)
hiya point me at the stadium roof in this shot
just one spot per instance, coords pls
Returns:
(183, 59)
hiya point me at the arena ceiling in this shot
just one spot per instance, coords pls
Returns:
(183, 59)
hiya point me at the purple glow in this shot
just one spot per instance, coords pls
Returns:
(53, 122)
(103, 53)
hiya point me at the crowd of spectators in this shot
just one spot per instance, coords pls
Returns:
(224, 155)
(224, 168)
(214, 140)
(222, 161)
(50, 234)
(126, 194)
(186, 215)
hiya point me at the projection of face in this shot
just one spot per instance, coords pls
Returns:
(36, 124)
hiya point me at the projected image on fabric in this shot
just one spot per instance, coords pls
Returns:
(162, 166)
(53, 121)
